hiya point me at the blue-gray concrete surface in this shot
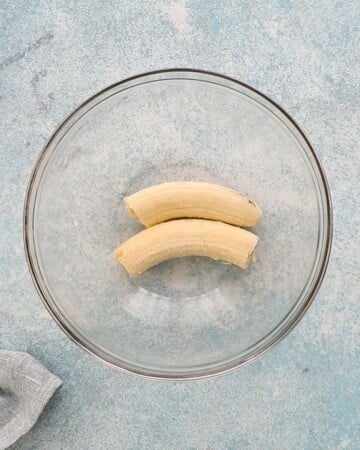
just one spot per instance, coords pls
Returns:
(304, 394)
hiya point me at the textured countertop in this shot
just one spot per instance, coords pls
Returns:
(304, 394)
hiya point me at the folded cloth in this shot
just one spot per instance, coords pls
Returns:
(25, 388)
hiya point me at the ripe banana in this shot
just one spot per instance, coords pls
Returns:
(186, 237)
(168, 201)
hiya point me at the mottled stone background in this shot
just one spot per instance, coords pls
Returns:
(304, 394)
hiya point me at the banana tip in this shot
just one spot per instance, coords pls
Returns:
(131, 212)
(118, 253)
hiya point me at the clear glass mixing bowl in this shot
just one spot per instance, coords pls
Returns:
(189, 317)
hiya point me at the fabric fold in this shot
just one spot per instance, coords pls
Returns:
(26, 386)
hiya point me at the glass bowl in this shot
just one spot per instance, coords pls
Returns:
(189, 317)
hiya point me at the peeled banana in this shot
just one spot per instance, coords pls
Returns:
(186, 237)
(174, 200)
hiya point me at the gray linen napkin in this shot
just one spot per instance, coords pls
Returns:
(25, 388)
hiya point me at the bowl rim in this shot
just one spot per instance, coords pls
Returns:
(234, 363)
